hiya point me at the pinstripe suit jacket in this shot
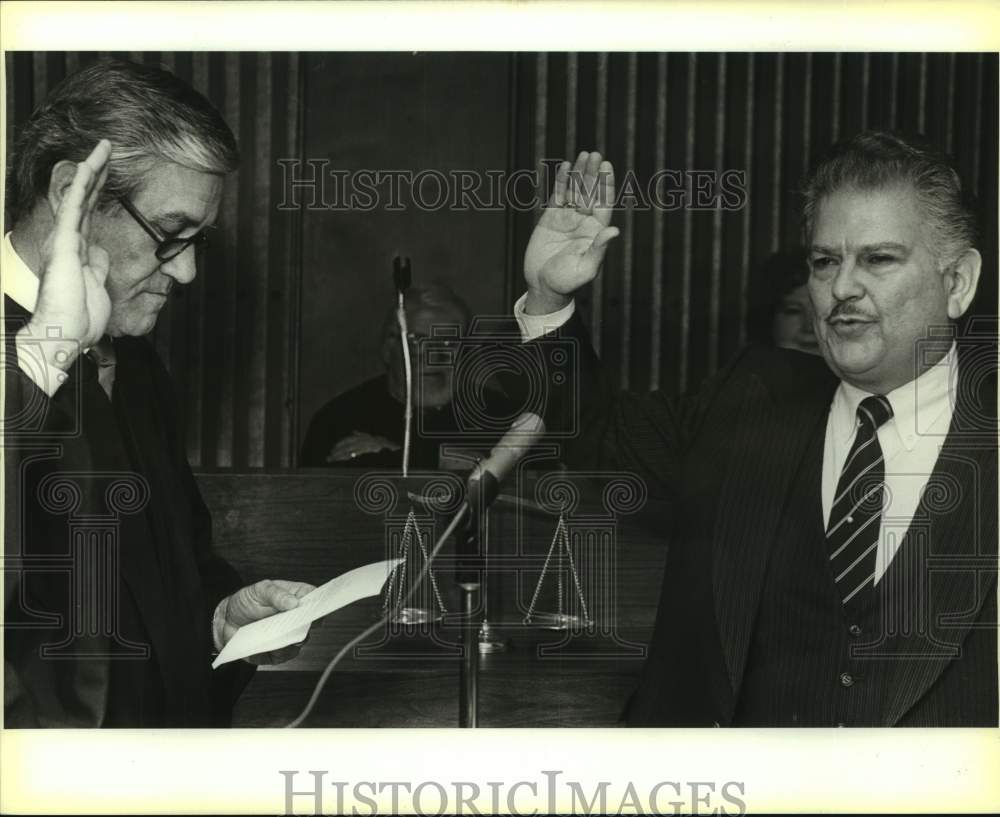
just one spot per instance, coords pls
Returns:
(719, 464)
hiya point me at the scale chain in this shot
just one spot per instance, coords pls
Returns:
(560, 542)
(576, 578)
(423, 549)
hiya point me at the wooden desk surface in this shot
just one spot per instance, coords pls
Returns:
(517, 687)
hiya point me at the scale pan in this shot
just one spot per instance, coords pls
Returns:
(416, 615)
(558, 621)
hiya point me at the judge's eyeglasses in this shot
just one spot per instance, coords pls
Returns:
(166, 247)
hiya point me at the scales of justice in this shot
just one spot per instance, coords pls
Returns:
(413, 597)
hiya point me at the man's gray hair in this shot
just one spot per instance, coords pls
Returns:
(149, 116)
(874, 159)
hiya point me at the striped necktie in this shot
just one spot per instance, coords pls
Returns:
(856, 513)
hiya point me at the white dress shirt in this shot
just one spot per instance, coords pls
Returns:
(20, 284)
(911, 440)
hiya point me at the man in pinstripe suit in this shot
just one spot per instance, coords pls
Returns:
(832, 524)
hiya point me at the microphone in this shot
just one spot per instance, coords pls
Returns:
(401, 273)
(484, 481)
(483, 487)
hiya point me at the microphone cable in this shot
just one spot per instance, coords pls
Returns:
(318, 689)
(408, 370)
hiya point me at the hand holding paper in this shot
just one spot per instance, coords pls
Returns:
(258, 601)
(290, 626)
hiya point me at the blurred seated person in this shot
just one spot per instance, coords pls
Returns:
(364, 426)
(785, 318)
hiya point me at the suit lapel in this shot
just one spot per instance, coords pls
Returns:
(780, 412)
(947, 563)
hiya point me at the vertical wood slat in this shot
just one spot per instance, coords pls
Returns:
(776, 191)
(628, 228)
(838, 80)
(10, 107)
(40, 76)
(572, 80)
(601, 140)
(686, 267)
(748, 167)
(894, 92)
(949, 134)
(541, 120)
(257, 339)
(807, 117)
(715, 293)
(517, 124)
(293, 271)
(196, 391)
(977, 122)
(922, 95)
(659, 161)
(227, 314)
(866, 76)
(570, 146)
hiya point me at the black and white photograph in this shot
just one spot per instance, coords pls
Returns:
(471, 389)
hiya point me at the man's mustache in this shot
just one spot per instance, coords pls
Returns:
(845, 309)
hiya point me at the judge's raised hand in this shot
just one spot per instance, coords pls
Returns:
(568, 243)
(257, 601)
(72, 300)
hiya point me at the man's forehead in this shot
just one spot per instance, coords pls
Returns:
(428, 317)
(884, 214)
(172, 192)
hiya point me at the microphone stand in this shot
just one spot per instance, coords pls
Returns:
(468, 673)
(469, 577)
(482, 488)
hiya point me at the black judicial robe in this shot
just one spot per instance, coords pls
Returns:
(720, 465)
(110, 582)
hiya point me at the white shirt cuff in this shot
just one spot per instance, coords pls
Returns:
(534, 326)
(32, 361)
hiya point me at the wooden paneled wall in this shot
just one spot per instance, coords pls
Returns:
(673, 300)
(410, 114)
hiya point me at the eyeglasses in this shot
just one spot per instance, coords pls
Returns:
(414, 340)
(166, 248)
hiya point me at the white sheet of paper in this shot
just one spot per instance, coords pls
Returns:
(291, 626)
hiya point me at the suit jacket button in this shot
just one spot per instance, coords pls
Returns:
(854, 629)
(846, 679)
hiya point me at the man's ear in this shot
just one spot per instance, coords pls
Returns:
(63, 173)
(962, 280)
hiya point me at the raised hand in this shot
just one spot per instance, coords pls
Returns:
(568, 243)
(71, 294)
